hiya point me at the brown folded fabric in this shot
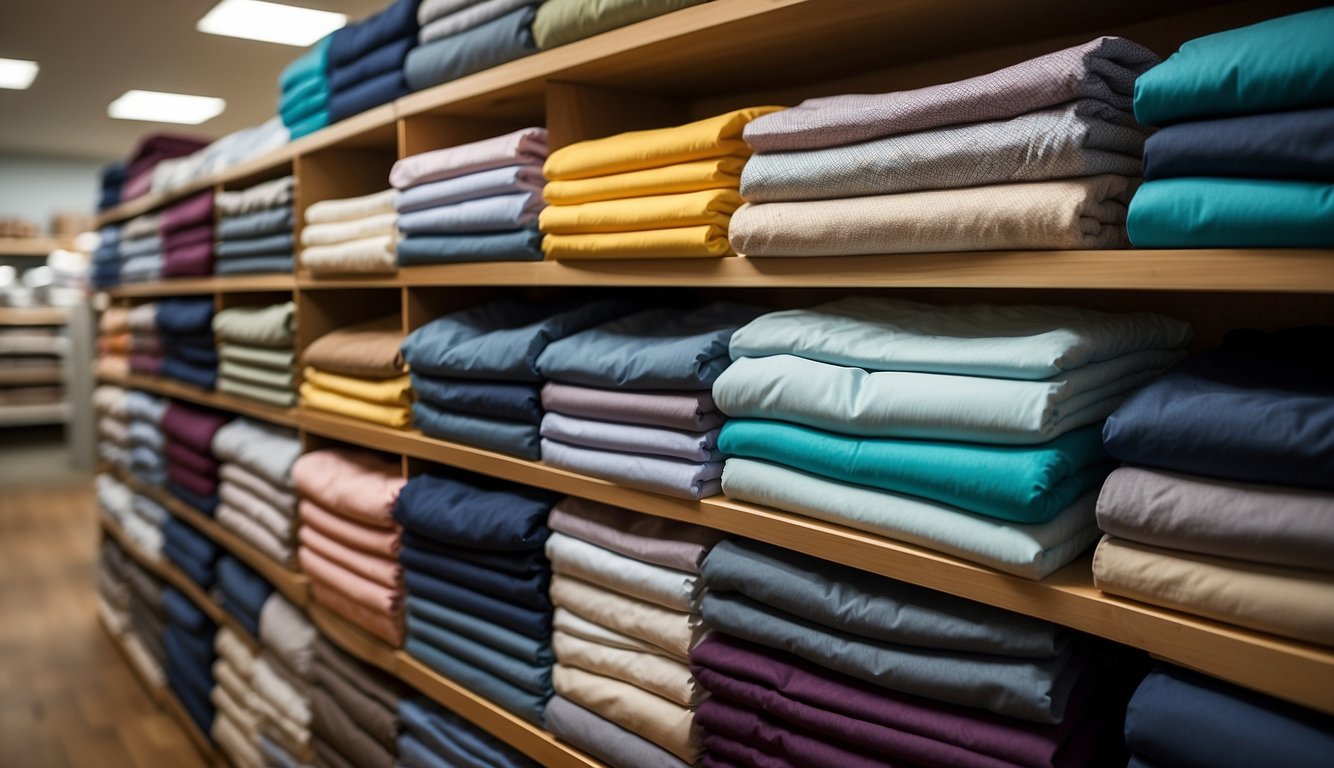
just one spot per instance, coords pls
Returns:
(115, 343)
(378, 721)
(337, 729)
(328, 757)
(369, 350)
(369, 680)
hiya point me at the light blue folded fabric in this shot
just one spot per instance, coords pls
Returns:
(632, 438)
(515, 438)
(519, 245)
(140, 247)
(1279, 64)
(142, 269)
(534, 678)
(507, 180)
(145, 433)
(141, 406)
(1028, 550)
(1201, 212)
(245, 265)
(668, 348)
(525, 704)
(270, 221)
(269, 245)
(526, 649)
(932, 406)
(451, 740)
(498, 213)
(1028, 689)
(500, 40)
(875, 607)
(671, 477)
(1021, 342)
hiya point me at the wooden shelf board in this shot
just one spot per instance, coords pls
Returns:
(33, 315)
(30, 415)
(197, 285)
(32, 246)
(353, 639)
(20, 376)
(219, 400)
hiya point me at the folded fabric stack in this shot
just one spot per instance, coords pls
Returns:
(113, 589)
(256, 500)
(888, 674)
(478, 609)
(256, 357)
(113, 426)
(667, 193)
(186, 229)
(627, 589)
(1182, 719)
(148, 621)
(255, 229)
(113, 342)
(139, 517)
(349, 539)
(110, 182)
(366, 60)
(303, 103)
(283, 676)
(106, 257)
(189, 354)
(1245, 160)
(145, 344)
(460, 37)
(473, 202)
(33, 348)
(236, 725)
(559, 22)
(144, 413)
(475, 371)
(192, 469)
(434, 737)
(358, 371)
(140, 250)
(352, 235)
(242, 592)
(972, 430)
(355, 711)
(629, 399)
(1226, 510)
(194, 553)
(227, 152)
(144, 158)
(1040, 155)
(188, 640)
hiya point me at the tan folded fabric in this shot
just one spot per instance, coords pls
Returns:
(674, 632)
(237, 654)
(1066, 214)
(1285, 601)
(371, 255)
(348, 208)
(686, 209)
(395, 391)
(713, 173)
(656, 674)
(369, 349)
(255, 534)
(280, 523)
(660, 721)
(336, 232)
(234, 738)
(397, 417)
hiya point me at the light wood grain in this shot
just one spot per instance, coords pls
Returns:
(33, 316)
(192, 394)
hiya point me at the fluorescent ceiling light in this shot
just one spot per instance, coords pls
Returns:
(158, 107)
(17, 74)
(269, 22)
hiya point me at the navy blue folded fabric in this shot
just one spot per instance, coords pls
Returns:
(193, 649)
(185, 316)
(515, 438)
(254, 265)
(112, 180)
(182, 611)
(491, 44)
(267, 245)
(532, 651)
(528, 591)
(508, 400)
(1259, 408)
(529, 623)
(365, 95)
(195, 545)
(1187, 720)
(387, 58)
(199, 376)
(268, 221)
(206, 504)
(522, 563)
(1283, 145)
(519, 245)
(525, 704)
(533, 678)
(397, 21)
(199, 348)
(477, 512)
(244, 592)
(441, 738)
(196, 571)
(198, 707)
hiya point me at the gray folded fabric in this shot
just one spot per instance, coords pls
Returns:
(270, 221)
(604, 739)
(631, 438)
(268, 245)
(671, 477)
(278, 398)
(443, 19)
(275, 359)
(288, 634)
(262, 326)
(260, 377)
(265, 449)
(270, 194)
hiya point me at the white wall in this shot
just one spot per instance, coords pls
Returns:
(34, 186)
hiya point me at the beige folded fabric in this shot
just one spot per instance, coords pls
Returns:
(114, 320)
(233, 738)
(1065, 214)
(336, 232)
(350, 208)
(656, 674)
(280, 524)
(1285, 601)
(256, 534)
(672, 631)
(369, 349)
(667, 587)
(277, 686)
(372, 255)
(113, 429)
(281, 499)
(660, 721)
(238, 655)
(235, 707)
(685, 209)
(294, 737)
(288, 635)
(226, 678)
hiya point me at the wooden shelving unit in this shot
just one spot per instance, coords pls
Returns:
(32, 246)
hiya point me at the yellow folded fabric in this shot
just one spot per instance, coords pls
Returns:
(324, 400)
(713, 173)
(709, 241)
(717, 136)
(688, 209)
(395, 391)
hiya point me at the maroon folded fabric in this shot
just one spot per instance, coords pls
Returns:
(748, 738)
(150, 365)
(198, 233)
(182, 455)
(191, 261)
(193, 210)
(196, 484)
(192, 427)
(151, 150)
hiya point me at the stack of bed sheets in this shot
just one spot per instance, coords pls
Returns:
(242, 592)
(478, 609)
(970, 429)
(366, 60)
(185, 327)
(236, 725)
(188, 641)
(255, 229)
(349, 539)
(255, 350)
(1225, 512)
(434, 737)
(227, 152)
(890, 674)
(145, 344)
(632, 405)
(473, 202)
(560, 22)
(355, 711)
(627, 591)
(475, 371)
(113, 426)
(106, 258)
(1042, 154)
(194, 553)
(113, 342)
(113, 588)
(662, 193)
(303, 103)
(186, 229)
(256, 500)
(351, 235)
(358, 371)
(460, 37)
(1245, 160)
(145, 413)
(140, 250)
(114, 503)
(283, 678)
(192, 469)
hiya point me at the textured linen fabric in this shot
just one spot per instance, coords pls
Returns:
(698, 242)
(1203, 212)
(515, 438)
(1283, 145)
(519, 245)
(1104, 68)
(260, 197)
(369, 349)
(266, 326)
(1060, 214)
(533, 623)
(517, 701)
(1289, 602)
(652, 672)
(604, 739)
(685, 209)
(560, 22)
(1277, 64)
(687, 411)
(679, 478)
(668, 725)
(496, 213)
(372, 255)
(279, 496)
(356, 484)
(261, 448)
(673, 633)
(670, 588)
(631, 438)
(436, 24)
(573, 625)
(1032, 551)
(504, 180)
(351, 208)
(335, 232)
(692, 176)
(1081, 138)
(1019, 342)
(524, 147)
(337, 729)
(487, 45)
(382, 541)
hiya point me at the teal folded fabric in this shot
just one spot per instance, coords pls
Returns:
(309, 125)
(1026, 484)
(313, 64)
(1283, 63)
(1030, 550)
(1204, 212)
(304, 100)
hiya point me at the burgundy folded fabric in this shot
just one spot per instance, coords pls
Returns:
(150, 365)
(192, 427)
(191, 261)
(751, 739)
(192, 482)
(198, 233)
(156, 147)
(192, 211)
(201, 464)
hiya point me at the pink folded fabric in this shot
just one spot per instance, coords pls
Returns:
(526, 145)
(188, 212)
(387, 573)
(375, 597)
(374, 541)
(354, 484)
(386, 628)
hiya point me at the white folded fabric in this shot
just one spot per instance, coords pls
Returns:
(677, 590)
(375, 255)
(351, 208)
(352, 229)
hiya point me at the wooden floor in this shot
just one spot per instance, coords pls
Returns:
(67, 697)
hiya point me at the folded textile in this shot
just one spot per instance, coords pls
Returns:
(268, 221)
(657, 674)
(604, 739)
(1283, 145)
(712, 207)
(524, 147)
(656, 584)
(260, 197)
(692, 176)
(355, 484)
(244, 592)
(247, 265)
(263, 449)
(256, 376)
(350, 208)
(444, 19)
(515, 438)
(381, 541)
(369, 255)
(476, 513)
(688, 411)
(658, 720)
(369, 349)
(1202, 212)
(318, 398)
(336, 728)
(505, 400)
(529, 678)
(448, 737)
(1289, 602)
(632, 438)
(560, 22)
(279, 496)
(1104, 69)
(680, 478)
(382, 60)
(1274, 65)
(184, 316)
(705, 241)
(496, 213)
(254, 532)
(193, 427)
(518, 701)
(532, 651)
(266, 326)
(386, 573)
(487, 45)
(509, 179)
(655, 540)
(281, 244)
(334, 232)
(371, 599)
(519, 245)
(395, 391)
(309, 65)
(673, 633)
(303, 100)
(279, 522)
(397, 20)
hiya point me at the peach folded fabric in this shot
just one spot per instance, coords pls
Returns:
(387, 628)
(386, 573)
(380, 541)
(355, 484)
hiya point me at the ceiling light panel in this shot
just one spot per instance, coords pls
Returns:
(159, 107)
(17, 74)
(269, 22)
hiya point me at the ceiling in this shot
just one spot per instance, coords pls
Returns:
(91, 51)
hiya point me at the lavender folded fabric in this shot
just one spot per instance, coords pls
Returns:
(527, 146)
(671, 477)
(690, 411)
(655, 540)
(496, 213)
(632, 438)
(1104, 68)
(509, 179)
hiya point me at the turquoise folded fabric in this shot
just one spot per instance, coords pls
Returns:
(304, 100)
(1205, 212)
(1026, 484)
(1028, 550)
(1283, 63)
(313, 64)
(309, 125)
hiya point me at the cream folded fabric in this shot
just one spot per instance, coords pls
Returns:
(274, 683)
(372, 255)
(395, 391)
(668, 725)
(693, 176)
(672, 631)
(706, 242)
(263, 326)
(324, 400)
(233, 737)
(336, 232)
(256, 376)
(654, 673)
(257, 535)
(677, 590)
(685, 209)
(281, 499)
(281, 524)
(1291, 602)
(574, 625)
(351, 208)
(257, 357)
(1067, 214)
